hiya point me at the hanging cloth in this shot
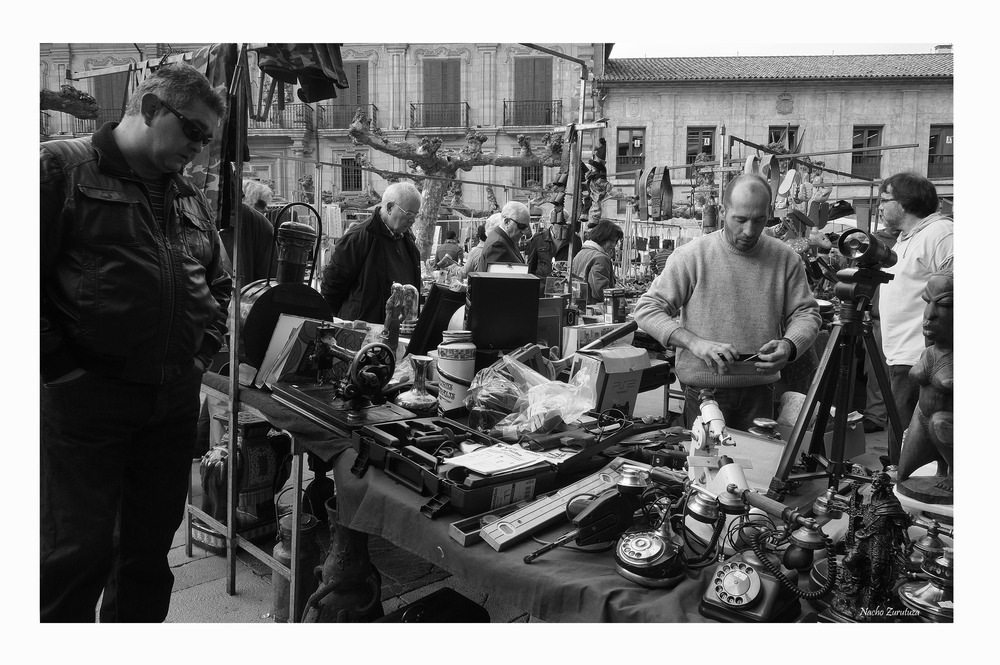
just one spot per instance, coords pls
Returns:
(317, 68)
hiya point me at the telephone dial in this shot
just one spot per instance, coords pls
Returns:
(750, 587)
(742, 589)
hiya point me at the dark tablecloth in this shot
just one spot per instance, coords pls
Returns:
(316, 439)
(561, 586)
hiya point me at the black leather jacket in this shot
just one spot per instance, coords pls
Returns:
(120, 294)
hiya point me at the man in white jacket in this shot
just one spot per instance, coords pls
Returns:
(909, 202)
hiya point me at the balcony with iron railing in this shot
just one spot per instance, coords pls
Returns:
(340, 116)
(941, 166)
(57, 123)
(625, 165)
(446, 114)
(518, 113)
(866, 166)
(292, 116)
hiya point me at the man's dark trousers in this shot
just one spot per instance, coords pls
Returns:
(115, 463)
(905, 393)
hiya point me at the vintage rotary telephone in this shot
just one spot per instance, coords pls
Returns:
(750, 586)
(652, 553)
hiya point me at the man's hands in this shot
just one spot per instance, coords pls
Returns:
(773, 356)
(715, 355)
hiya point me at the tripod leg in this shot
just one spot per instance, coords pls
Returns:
(878, 366)
(845, 391)
(822, 383)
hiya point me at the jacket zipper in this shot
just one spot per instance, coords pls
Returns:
(168, 209)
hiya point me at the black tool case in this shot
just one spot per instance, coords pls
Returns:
(414, 453)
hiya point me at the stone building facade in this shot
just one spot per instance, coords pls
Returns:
(660, 111)
(411, 90)
(663, 111)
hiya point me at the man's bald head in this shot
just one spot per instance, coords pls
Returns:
(756, 184)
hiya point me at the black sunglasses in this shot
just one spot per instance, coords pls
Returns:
(517, 223)
(192, 131)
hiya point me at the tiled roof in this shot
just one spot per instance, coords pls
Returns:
(906, 65)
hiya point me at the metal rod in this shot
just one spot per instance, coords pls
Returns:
(412, 176)
(237, 92)
(802, 154)
(149, 62)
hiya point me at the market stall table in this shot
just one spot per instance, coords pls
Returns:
(561, 586)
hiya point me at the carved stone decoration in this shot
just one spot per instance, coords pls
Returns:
(91, 64)
(444, 52)
(632, 107)
(371, 55)
(514, 51)
(785, 104)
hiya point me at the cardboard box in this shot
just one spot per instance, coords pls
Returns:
(854, 440)
(616, 372)
(576, 337)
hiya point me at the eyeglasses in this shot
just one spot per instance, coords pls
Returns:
(407, 213)
(192, 131)
(519, 225)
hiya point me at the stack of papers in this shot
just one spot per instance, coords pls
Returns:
(497, 459)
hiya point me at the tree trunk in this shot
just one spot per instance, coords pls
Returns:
(431, 197)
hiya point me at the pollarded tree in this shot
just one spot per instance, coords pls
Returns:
(428, 158)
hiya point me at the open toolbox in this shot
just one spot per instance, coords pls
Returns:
(414, 452)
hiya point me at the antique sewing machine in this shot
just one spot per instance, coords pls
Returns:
(348, 392)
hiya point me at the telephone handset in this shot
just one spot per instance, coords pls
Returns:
(751, 587)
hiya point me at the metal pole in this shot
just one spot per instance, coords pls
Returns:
(237, 93)
(578, 184)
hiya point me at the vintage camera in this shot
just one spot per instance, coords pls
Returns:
(866, 250)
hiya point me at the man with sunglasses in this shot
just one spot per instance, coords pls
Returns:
(372, 255)
(501, 242)
(133, 306)
(925, 245)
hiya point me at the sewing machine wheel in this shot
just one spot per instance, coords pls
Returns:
(372, 355)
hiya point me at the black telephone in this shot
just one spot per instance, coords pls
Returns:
(748, 587)
(742, 589)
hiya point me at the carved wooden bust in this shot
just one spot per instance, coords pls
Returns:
(930, 435)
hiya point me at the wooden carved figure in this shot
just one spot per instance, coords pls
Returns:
(930, 435)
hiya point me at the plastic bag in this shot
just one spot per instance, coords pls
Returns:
(512, 396)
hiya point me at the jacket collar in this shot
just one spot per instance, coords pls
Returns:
(111, 160)
(593, 245)
(379, 227)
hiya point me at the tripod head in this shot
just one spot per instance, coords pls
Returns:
(856, 286)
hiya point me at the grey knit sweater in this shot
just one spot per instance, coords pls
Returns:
(720, 293)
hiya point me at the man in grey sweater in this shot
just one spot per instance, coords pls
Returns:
(729, 295)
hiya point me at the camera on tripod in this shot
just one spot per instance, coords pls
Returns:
(870, 255)
(833, 384)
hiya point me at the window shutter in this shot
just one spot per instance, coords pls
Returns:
(523, 73)
(542, 79)
(432, 81)
(452, 80)
(357, 77)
